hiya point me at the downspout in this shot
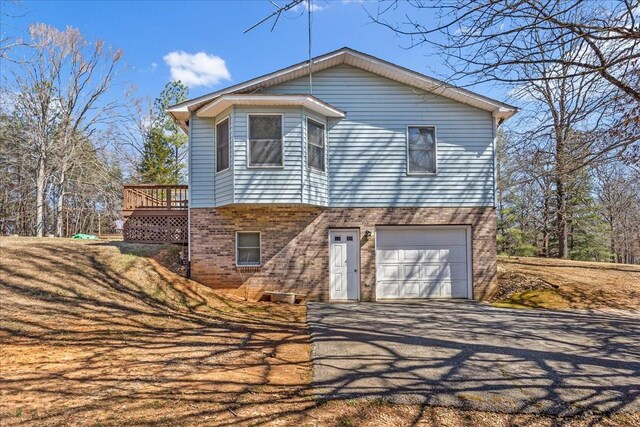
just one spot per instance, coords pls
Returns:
(303, 153)
(189, 203)
(494, 130)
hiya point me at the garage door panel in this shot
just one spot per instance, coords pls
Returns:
(390, 272)
(435, 289)
(388, 255)
(388, 289)
(411, 271)
(410, 290)
(412, 255)
(431, 255)
(430, 270)
(442, 274)
(424, 262)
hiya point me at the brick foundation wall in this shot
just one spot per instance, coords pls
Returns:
(295, 252)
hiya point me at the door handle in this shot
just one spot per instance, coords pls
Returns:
(355, 271)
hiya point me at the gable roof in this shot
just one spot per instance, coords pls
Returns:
(348, 56)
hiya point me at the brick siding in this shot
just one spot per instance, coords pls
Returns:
(295, 253)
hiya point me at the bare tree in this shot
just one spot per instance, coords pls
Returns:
(129, 135)
(618, 191)
(568, 118)
(490, 40)
(61, 83)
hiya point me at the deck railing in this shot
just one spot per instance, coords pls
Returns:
(155, 213)
(155, 197)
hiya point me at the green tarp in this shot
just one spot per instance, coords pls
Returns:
(85, 236)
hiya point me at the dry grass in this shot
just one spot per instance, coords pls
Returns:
(565, 284)
(100, 333)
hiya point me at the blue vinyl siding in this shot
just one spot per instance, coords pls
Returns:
(201, 163)
(269, 185)
(367, 149)
(316, 186)
(366, 157)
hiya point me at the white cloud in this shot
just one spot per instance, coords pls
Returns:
(315, 7)
(150, 69)
(198, 69)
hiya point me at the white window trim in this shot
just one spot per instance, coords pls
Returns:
(259, 248)
(306, 137)
(435, 149)
(228, 118)
(249, 166)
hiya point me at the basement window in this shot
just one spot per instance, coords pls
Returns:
(248, 248)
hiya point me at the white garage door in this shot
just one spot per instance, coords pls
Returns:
(423, 262)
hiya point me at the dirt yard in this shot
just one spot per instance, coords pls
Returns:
(101, 333)
(566, 284)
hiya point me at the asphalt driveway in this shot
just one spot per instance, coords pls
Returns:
(461, 353)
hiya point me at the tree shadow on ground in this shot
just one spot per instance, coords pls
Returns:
(475, 356)
(93, 334)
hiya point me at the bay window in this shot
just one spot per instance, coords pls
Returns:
(265, 141)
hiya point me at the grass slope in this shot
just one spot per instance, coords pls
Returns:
(101, 333)
(566, 284)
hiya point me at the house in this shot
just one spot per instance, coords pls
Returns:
(361, 181)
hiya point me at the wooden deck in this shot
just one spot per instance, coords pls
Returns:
(155, 213)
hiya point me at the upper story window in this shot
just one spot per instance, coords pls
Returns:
(265, 141)
(315, 145)
(247, 248)
(421, 150)
(222, 145)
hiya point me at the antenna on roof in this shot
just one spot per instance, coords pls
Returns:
(277, 13)
(309, 7)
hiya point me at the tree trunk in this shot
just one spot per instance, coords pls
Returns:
(612, 236)
(59, 215)
(60, 204)
(40, 184)
(561, 198)
(563, 234)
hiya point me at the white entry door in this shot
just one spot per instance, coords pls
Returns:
(344, 264)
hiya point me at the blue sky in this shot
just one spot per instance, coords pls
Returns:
(157, 36)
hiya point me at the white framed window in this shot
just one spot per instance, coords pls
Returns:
(421, 150)
(266, 142)
(248, 253)
(315, 145)
(222, 145)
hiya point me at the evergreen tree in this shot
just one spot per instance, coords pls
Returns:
(165, 144)
(157, 164)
